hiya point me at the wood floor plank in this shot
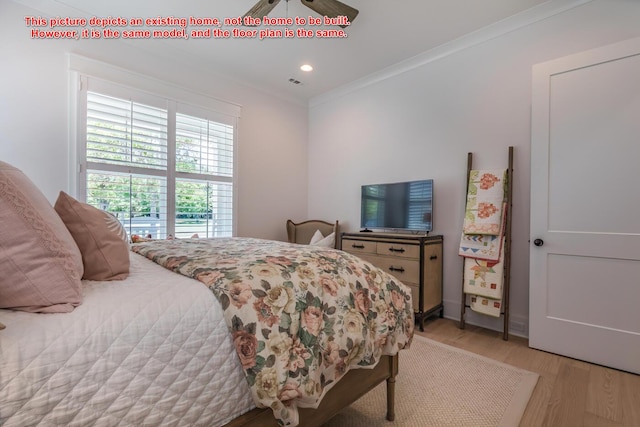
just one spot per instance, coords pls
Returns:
(603, 394)
(567, 403)
(591, 420)
(533, 360)
(630, 396)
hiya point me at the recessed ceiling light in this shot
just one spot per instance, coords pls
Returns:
(306, 67)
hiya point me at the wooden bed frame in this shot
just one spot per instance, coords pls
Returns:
(355, 384)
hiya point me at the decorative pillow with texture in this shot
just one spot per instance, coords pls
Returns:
(99, 235)
(326, 242)
(40, 264)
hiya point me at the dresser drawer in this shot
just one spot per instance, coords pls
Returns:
(410, 276)
(358, 246)
(405, 270)
(398, 250)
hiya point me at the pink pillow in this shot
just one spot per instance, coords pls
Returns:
(40, 264)
(99, 235)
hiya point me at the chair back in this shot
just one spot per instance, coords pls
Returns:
(302, 232)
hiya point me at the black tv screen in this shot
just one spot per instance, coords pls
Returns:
(398, 206)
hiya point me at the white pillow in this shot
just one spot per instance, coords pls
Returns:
(326, 242)
(317, 236)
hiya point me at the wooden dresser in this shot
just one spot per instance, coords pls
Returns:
(415, 260)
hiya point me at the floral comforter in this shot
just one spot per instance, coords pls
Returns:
(301, 316)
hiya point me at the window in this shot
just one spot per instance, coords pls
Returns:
(161, 167)
(374, 204)
(420, 205)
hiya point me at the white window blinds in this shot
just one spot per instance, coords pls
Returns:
(203, 148)
(125, 132)
(159, 171)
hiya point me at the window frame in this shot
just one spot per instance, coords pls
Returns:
(174, 100)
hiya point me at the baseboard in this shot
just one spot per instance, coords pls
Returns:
(518, 325)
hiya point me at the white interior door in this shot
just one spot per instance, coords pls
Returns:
(585, 207)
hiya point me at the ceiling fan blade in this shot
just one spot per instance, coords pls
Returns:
(262, 8)
(331, 8)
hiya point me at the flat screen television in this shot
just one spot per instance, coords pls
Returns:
(404, 206)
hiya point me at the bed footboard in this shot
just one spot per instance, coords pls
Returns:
(355, 384)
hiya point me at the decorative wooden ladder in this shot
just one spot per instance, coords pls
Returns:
(507, 249)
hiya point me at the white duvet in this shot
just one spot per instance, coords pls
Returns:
(151, 350)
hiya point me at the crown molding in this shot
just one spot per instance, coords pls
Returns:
(500, 28)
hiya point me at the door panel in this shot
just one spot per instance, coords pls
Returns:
(593, 130)
(586, 298)
(585, 199)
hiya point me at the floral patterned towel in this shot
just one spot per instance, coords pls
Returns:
(483, 246)
(301, 316)
(485, 197)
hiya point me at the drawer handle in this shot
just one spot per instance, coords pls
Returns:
(400, 270)
(357, 246)
(392, 249)
(432, 257)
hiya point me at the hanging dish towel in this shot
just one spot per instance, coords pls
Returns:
(483, 305)
(484, 278)
(483, 214)
(480, 246)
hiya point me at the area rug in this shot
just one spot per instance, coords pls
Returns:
(441, 386)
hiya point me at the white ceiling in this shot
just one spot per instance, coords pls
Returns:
(383, 34)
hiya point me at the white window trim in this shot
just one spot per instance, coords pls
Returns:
(85, 71)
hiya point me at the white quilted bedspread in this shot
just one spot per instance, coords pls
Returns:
(151, 350)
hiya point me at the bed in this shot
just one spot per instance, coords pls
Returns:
(200, 332)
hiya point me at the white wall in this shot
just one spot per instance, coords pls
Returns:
(34, 121)
(422, 123)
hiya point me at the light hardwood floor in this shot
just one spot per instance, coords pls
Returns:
(569, 392)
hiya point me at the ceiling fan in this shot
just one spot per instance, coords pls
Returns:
(330, 8)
